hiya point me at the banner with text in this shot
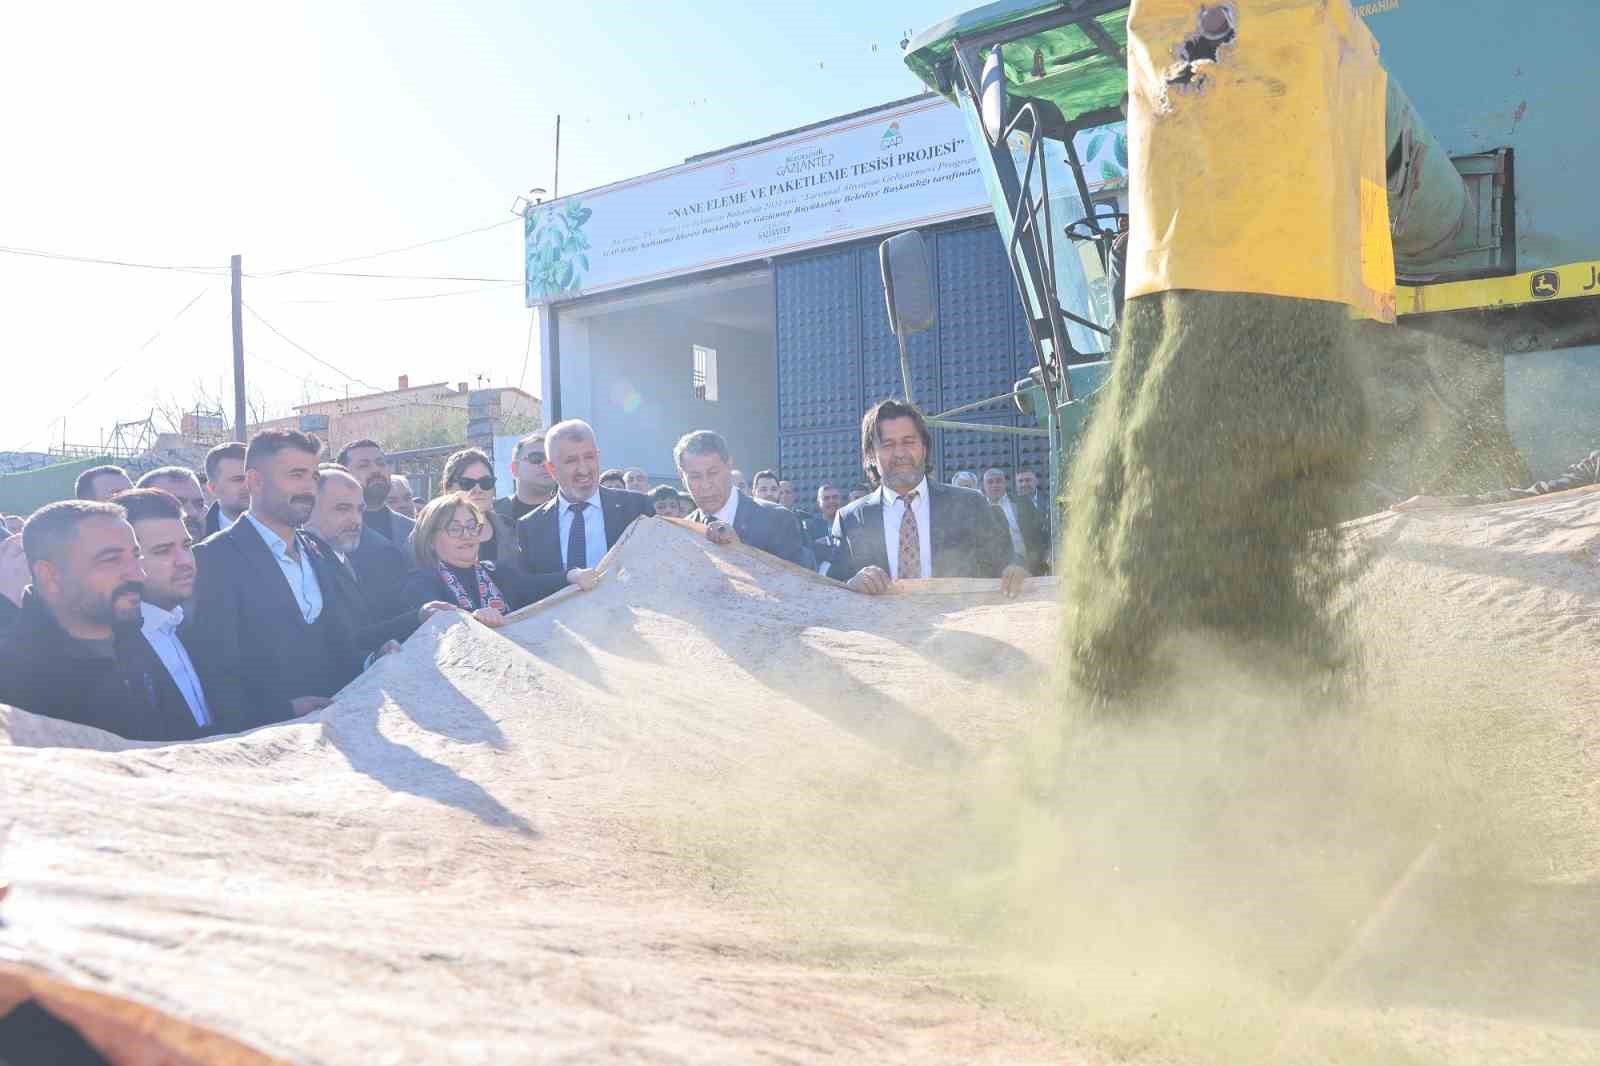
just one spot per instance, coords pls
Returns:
(897, 168)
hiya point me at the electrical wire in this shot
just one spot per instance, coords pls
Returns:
(101, 261)
(496, 287)
(120, 367)
(391, 251)
(527, 351)
(307, 351)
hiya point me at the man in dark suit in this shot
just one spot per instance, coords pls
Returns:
(730, 516)
(230, 494)
(911, 526)
(78, 651)
(533, 483)
(274, 629)
(1030, 537)
(564, 540)
(13, 578)
(367, 463)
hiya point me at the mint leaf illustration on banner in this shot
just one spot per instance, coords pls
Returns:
(556, 247)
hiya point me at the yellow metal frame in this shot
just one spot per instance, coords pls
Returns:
(1574, 281)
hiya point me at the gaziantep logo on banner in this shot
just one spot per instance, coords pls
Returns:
(891, 137)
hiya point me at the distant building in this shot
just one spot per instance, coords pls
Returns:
(388, 417)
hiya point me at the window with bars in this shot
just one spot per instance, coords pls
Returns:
(705, 373)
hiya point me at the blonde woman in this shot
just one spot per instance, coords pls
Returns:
(450, 532)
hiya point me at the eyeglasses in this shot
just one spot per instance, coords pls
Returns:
(484, 483)
(464, 529)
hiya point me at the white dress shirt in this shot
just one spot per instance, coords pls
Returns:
(729, 509)
(161, 630)
(1009, 509)
(894, 510)
(298, 572)
(594, 531)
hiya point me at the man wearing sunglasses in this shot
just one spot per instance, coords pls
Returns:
(534, 484)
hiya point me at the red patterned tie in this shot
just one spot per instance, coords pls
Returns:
(910, 541)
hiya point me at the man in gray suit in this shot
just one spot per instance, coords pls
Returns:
(730, 515)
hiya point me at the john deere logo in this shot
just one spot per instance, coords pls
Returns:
(891, 137)
(1545, 284)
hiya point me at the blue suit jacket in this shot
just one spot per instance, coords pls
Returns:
(969, 539)
(773, 529)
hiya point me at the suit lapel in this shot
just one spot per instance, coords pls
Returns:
(611, 511)
(872, 532)
(549, 531)
(743, 517)
(259, 557)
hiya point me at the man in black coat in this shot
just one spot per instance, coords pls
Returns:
(374, 571)
(367, 463)
(274, 631)
(564, 540)
(77, 651)
(729, 515)
(914, 527)
(225, 480)
(1027, 528)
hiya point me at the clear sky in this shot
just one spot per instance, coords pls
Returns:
(301, 133)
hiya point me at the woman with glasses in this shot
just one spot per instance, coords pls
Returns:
(471, 472)
(451, 530)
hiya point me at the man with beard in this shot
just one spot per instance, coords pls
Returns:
(166, 546)
(274, 631)
(564, 540)
(181, 483)
(374, 570)
(230, 495)
(910, 526)
(730, 515)
(77, 651)
(534, 485)
(369, 465)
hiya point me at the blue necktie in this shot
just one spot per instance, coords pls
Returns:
(578, 539)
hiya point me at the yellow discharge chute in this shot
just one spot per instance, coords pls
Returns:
(1256, 140)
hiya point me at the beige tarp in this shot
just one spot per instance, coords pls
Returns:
(513, 846)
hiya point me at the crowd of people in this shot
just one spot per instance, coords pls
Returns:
(182, 607)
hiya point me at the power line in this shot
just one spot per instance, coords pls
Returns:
(397, 277)
(101, 261)
(496, 287)
(393, 251)
(527, 351)
(307, 351)
(120, 367)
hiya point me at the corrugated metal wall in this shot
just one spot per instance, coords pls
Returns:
(837, 357)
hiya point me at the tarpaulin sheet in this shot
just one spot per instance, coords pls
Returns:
(1260, 170)
(501, 846)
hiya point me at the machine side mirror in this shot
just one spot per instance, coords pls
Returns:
(907, 282)
(908, 289)
(992, 96)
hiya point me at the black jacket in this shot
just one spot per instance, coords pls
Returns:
(381, 568)
(9, 612)
(1035, 535)
(425, 586)
(392, 526)
(773, 529)
(539, 532)
(213, 518)
(129, 693)
(968, 538)
(253, 648)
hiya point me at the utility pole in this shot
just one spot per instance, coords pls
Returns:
(238, 355)
(555, 186)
